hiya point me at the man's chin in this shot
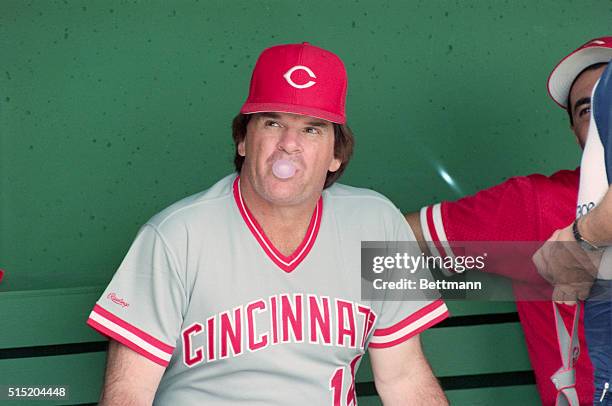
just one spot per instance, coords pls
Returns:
(285, 194)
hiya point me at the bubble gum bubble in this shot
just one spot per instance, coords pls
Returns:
(283, 169)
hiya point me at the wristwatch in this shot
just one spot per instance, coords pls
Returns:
(584, 244)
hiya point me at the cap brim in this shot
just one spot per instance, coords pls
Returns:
(566, 71)
(251, 108)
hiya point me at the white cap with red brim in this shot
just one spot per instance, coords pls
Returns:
(563, 75)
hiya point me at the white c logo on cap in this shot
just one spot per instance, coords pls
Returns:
(306, 69)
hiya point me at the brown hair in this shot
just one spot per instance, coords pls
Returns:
(343, 145)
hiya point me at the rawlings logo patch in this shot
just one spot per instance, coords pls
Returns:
(113, 297)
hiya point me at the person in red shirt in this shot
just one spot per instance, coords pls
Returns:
(530, 208)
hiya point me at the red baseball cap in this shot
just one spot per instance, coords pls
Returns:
(563, 75)
(300, 79)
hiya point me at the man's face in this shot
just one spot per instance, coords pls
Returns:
(580, 102)
(306, 141)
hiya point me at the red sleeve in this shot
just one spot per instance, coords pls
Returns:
(505, 212)
(557, 197)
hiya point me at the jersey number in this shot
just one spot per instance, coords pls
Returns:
(583, 209)
(335, 384)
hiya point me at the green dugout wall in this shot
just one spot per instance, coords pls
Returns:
(112, 110)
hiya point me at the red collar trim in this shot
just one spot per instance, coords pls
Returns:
(286, 263)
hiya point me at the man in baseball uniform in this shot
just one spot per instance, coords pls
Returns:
(530, 208)
(581, 251)
(249, 293)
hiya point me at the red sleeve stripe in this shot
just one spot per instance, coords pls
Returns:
(423, 311)
(424, 318)
(426, 233)
(436, 229)
(435, 235)
(131, 333)
(134, 330)
(110, 333)
(410, 334)
(436, 215)
(435, 239)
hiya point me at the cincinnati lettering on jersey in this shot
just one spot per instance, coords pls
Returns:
(277, 320)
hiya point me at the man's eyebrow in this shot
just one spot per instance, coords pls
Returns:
(276, 116)
(580, 102)
(318, 123)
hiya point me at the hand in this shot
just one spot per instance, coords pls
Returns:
(570, 269)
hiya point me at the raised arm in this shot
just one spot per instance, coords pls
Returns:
(596, 226)
(130, 379)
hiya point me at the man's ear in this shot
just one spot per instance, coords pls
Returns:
(335, 165)
(241, 148)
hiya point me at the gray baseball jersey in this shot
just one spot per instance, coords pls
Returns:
(203, 292)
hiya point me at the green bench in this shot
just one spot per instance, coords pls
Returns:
(478, 354)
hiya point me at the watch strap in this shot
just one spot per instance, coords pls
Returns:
(584, 243)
